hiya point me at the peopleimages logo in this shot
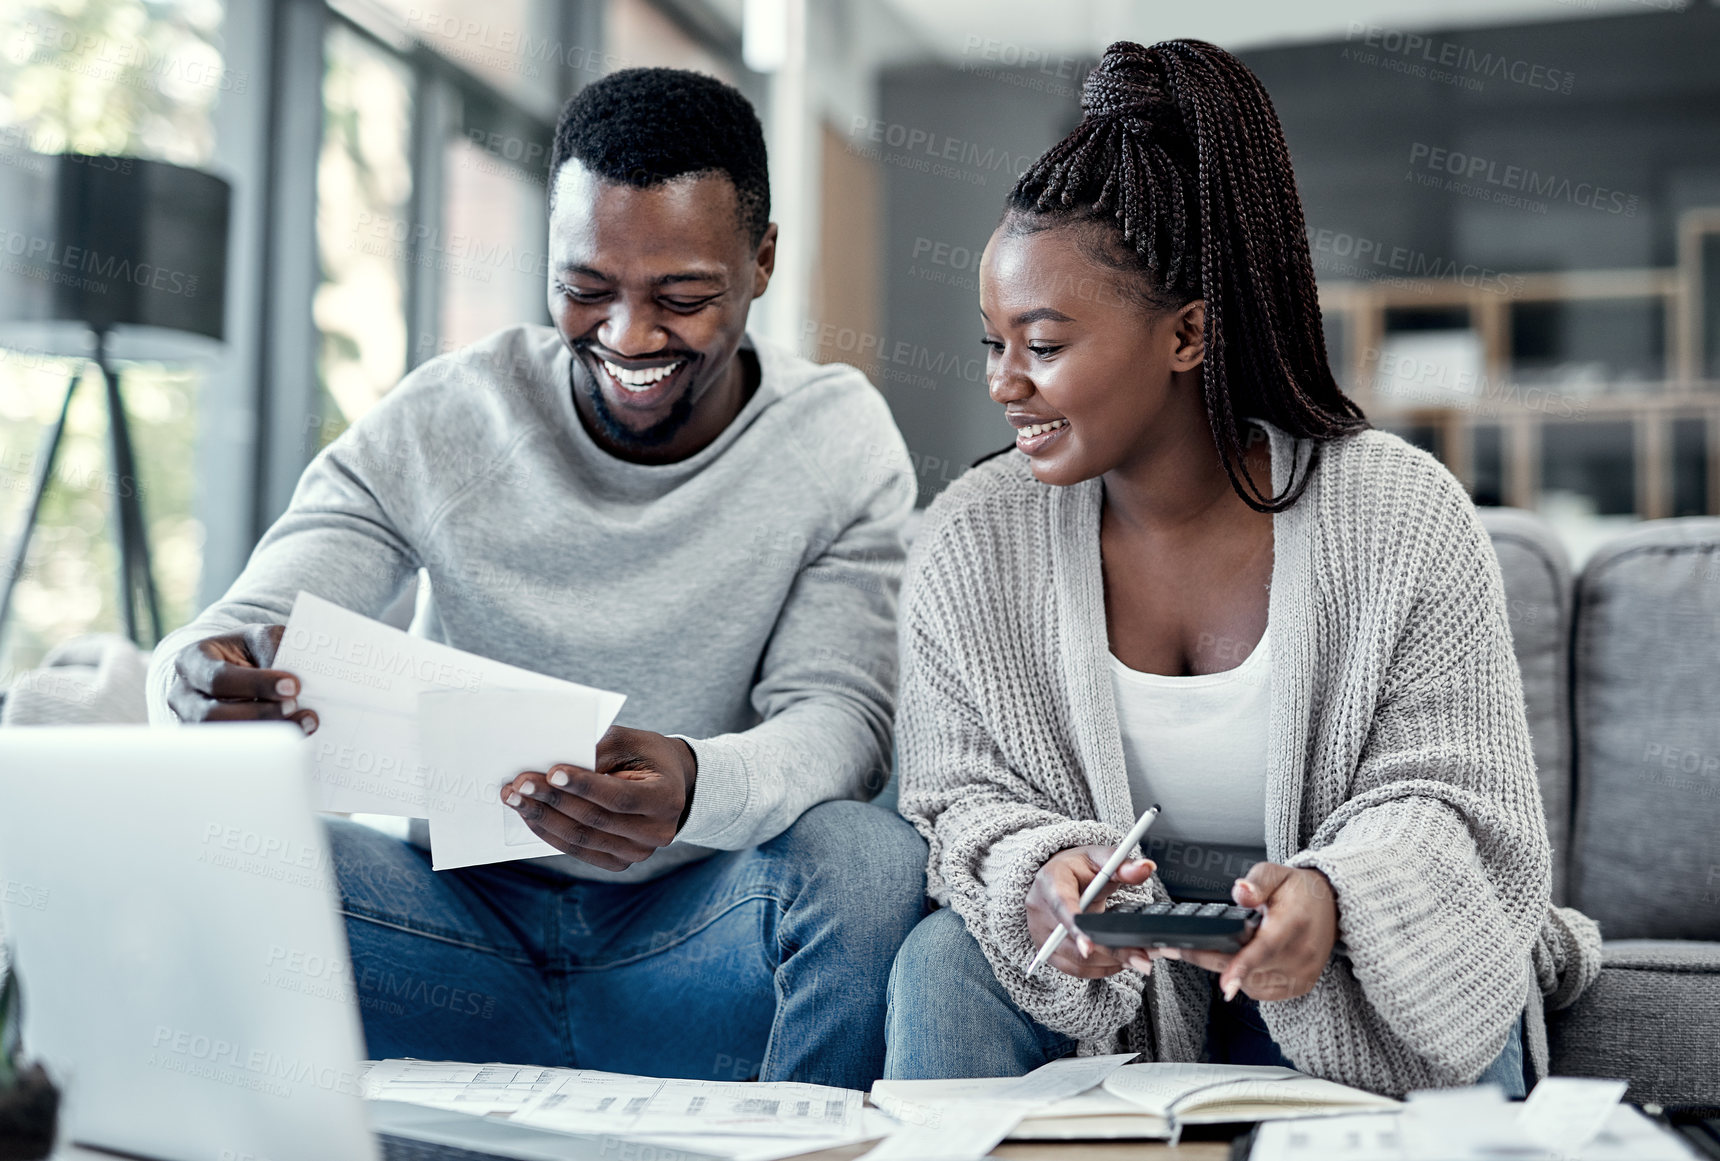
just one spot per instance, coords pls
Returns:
(87, 261)
(1471, 169)
(227, 1062)
(1450, 62)
(1356, 256)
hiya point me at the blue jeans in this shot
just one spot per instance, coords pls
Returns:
(950, 1017)
(767, 963)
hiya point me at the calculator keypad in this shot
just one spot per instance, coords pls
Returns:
(1200, 910)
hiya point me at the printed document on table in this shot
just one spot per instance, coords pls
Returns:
(467, 1088)
(1628, 1135)
(364, 680)
(956, 1132)
(584, 1102)
(873, 1125)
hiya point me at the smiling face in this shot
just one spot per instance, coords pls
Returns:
(1090, 376)
(650, 290)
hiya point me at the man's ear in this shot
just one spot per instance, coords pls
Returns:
(1190, 333)
(765, 260)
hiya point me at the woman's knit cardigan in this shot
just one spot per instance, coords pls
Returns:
(1399, 763)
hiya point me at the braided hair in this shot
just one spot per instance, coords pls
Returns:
(1180, 151)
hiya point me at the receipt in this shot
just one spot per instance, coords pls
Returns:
(1566, 1112)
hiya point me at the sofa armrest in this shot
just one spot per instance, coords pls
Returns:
(1652, 1018)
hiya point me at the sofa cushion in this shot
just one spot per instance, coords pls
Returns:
(95, 679)
(1645, 855)
(1537, 576)
(1650, 1017)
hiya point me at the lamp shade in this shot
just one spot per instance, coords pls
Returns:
(132, 248)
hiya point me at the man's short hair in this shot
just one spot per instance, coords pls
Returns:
(642, 127)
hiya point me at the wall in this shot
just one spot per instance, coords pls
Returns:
(1627, 105)
(950, 144)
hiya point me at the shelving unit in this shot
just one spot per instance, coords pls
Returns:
(1494, 431)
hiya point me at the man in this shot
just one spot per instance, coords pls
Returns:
(653, 503)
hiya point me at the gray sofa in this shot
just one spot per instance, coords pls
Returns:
(1621, 674)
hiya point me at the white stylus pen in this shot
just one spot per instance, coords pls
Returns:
(1117, 859)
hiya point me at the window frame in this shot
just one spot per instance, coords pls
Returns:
(448, 98)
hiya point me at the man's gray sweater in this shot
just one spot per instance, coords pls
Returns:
(743, 598)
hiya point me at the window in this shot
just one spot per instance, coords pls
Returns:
(364, 228)
(431, 201)
(512, 45)
(106, 77)
(500, 212)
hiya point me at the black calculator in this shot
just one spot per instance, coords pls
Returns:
(1201, 926)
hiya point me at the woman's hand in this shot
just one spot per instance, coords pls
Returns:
(1298, 929)
(1054, 898)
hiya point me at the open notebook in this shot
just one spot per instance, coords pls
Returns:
(1148, 1100)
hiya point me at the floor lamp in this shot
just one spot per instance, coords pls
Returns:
(104, 259)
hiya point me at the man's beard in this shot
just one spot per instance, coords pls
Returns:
(617, 433)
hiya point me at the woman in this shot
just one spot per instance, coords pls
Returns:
(1200, 579)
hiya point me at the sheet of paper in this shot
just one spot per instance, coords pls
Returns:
(490, 736)
(1566, 1112)
(636, 1105)
(1056, 1081)
(468, 1088)
(1070, 1076)
(1628, 1135)
(956, 1132)
(1466, 1122)
(872, 1126)
(1352, 1137)
(364, 679)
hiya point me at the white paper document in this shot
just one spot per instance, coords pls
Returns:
(952, 1117)
(1564, 1119)
(1063, 1083)
(962, 1131)
(1565, 1113)
(872, 1125)
(1062, 1079)
(491, 736)
(374, 688)
(481, 1089)
(1627, 1136)
(592, 1102)
(1353, 1137)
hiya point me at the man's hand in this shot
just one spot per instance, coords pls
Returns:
(616, 815)
(1298, 929)
(228, 679)
(1054, 897)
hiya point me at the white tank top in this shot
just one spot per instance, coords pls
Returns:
(1197, 747)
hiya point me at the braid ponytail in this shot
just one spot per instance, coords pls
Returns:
(1181, 152)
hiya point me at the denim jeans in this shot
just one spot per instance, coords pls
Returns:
(769, 963)
(950, 1017)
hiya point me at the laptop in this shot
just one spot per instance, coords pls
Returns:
(153, 880)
